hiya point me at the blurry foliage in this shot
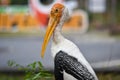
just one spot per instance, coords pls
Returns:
(118, 5)
(19, 2)
(33, 71)
(105, 20)
(118, 11)
(109, 76)
(11, 76)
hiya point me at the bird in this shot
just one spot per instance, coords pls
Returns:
(69, 62)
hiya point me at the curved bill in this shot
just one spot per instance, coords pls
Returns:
(50, 29)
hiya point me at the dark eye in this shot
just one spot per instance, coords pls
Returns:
(56, 10)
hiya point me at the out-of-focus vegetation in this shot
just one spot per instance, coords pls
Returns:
(14, 2)
(33, 71)
(109, 76)
(21, 76)
(20, 34)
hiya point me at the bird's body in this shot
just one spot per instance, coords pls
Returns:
(69, 62)
(59, 43)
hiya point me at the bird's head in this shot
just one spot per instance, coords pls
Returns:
(58, 15)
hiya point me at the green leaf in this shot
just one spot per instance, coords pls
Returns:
(40, 66)
(37, 76)
(11, 63)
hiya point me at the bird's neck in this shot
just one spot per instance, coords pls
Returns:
(57, 36)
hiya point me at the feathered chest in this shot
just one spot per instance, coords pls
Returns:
(66, 46)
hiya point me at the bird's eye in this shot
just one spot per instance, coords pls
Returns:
(56, 10)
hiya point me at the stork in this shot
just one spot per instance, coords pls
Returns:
(69, 62)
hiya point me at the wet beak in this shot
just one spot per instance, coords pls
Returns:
(50, 29)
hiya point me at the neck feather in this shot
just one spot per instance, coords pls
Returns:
(57, 36)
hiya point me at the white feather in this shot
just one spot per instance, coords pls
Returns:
(68, 76)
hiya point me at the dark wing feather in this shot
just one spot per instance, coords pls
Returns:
(72, 66)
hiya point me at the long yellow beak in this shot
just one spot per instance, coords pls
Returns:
(50, 29)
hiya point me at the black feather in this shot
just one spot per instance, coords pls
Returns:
(72, 66)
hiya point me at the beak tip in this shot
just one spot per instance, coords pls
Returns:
(42, 55)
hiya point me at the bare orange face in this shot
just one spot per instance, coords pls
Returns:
(55, 15)
(57, 10)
